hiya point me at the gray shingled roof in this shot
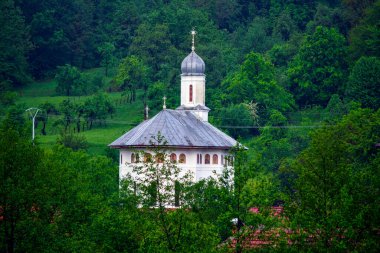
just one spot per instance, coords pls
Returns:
(180, 129)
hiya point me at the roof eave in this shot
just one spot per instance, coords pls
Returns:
(170, 146)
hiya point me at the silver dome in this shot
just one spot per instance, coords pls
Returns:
(193, 65)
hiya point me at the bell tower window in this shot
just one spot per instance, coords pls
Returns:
(191, 93)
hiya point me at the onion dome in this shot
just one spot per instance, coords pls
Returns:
(193, 65)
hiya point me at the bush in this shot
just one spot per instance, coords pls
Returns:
(74, 141)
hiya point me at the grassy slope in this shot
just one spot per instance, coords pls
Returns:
(99, 137)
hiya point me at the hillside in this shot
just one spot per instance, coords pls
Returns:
(126, 116)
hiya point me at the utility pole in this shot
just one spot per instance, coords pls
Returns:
(33, 113)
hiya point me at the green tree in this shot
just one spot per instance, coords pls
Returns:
(74, 141)
(363, 82)
(68, 79)
(132, 75)
(254, 81)
(67, 108)
(7, 97)
(284, 26)
(47, 109)
(336, 174)
(15, 45)
(20, 182)
(236, 116)
(364, 38)
(151, 44)
(161, 184)
(156, 92)
(97, 108)
(318, 70)
(106, 51)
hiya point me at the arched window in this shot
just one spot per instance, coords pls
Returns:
(207, 159)
(191, 93)
(215, 159)
(159, 158)
(137, 158)
(147, 157)
(200, 158)
(182, 158)
(133, 158)
(173, 158)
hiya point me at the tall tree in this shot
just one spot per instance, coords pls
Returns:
(336, 174)
(363, 82)
(254, 81)
(19, 171)
(15, 45)
(68, 79)
(152, 44)
(161, 184)
(365, 37)
(107, 50)
(318, 70)
(133, 74)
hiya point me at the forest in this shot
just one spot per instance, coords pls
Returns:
(297, 82)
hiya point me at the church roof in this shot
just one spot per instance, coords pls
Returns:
(180, 128)
(193, 65)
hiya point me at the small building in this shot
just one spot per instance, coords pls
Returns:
(195, 144)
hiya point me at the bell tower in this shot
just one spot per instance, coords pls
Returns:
(193, 84)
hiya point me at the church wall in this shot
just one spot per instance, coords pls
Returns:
(199, 170)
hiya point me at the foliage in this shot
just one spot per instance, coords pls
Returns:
(152, 44)
(254, 81)
(68, 79)
(46, 109)
(97, 108)
(318, 69)
(364, 37)
(7, 97)
(236, 116)
(20, 183)
(156, 92)
(161, 184)
(108, 59)
(15, 45)
(74, 141)
(363, 82)
(133, 74)
(336, 174)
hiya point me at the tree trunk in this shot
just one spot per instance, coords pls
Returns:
(43, 130)
(78, 126)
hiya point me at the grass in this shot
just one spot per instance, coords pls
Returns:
(126, 116)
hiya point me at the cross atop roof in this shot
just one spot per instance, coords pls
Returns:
(193, 33)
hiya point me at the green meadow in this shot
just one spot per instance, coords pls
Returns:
(126, 116)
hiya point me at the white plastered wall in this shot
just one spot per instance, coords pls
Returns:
(199, 171)
(199, 86)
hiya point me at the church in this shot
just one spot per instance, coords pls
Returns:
(195, 145)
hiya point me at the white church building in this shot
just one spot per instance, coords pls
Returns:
(194, 144)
